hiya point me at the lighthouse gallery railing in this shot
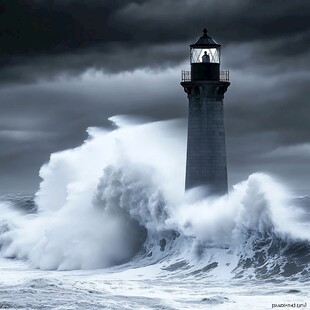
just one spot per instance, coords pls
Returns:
(186, 75)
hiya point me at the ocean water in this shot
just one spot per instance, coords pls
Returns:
(111, 228)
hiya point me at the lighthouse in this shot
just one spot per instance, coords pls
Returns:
(205, 85)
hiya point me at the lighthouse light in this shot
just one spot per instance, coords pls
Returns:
(197, 55)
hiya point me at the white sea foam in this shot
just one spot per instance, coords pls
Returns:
(99, 203)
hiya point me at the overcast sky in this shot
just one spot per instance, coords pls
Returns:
(69, 64)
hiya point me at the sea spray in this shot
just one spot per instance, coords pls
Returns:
(120, 197)
(96, 202)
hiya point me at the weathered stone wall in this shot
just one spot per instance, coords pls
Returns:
(206, 150)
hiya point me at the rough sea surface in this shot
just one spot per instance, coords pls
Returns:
(111, 228)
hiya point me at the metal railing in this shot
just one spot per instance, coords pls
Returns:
(186, 76)
(224, 75)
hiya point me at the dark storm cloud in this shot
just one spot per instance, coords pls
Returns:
(267, 123)
(37, 120)
(287, 114)
(41, 38)
(265, 45)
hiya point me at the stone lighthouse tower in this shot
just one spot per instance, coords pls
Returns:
(205, 86)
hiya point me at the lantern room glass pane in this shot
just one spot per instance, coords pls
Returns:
(198, 53)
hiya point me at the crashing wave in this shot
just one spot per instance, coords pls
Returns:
(119, 199)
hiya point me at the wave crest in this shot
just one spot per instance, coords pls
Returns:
(119, 197)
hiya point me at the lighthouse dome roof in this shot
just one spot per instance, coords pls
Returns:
(205, 41)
